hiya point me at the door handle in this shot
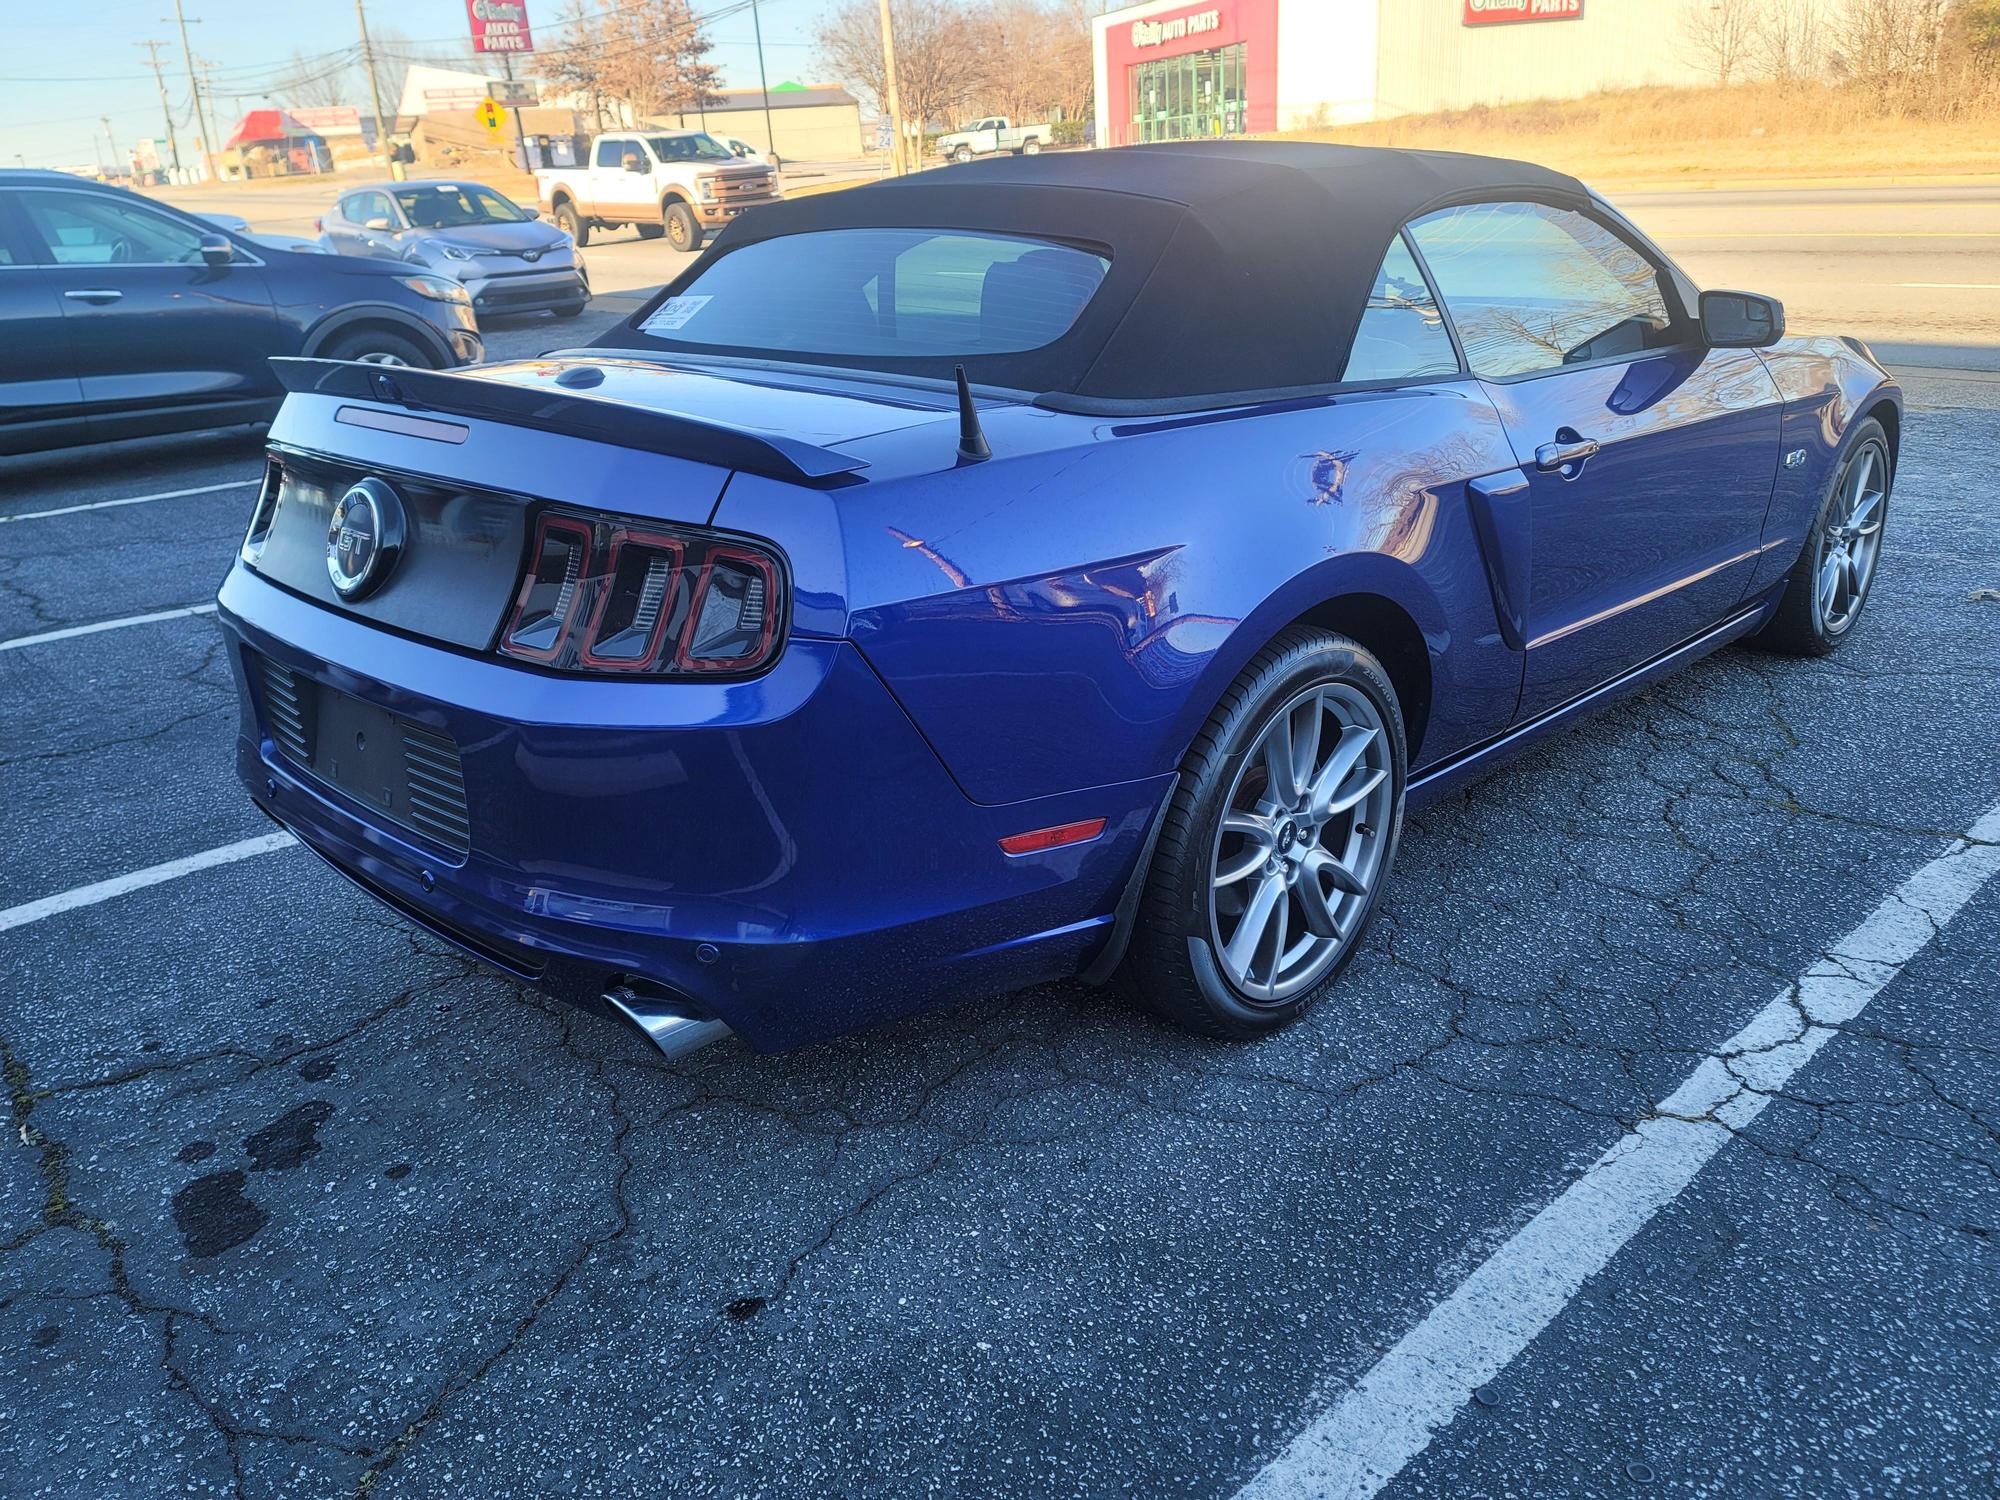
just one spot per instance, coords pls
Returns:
(1566, 454)
(95, 294)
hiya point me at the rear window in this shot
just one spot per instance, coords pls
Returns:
(884, 293)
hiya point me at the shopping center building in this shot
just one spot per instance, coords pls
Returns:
(1181, 69)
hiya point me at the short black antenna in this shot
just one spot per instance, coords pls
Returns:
(972, 448)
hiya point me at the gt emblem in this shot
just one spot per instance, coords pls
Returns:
(1796, 459)
(364, 539)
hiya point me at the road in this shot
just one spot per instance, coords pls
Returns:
(1913, 269)
(298, 1202)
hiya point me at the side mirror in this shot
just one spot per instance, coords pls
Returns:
(216, 250)
(1741, 320)
(635, 164)
(380, 221)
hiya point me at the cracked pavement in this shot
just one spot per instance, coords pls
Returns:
(297, 1201)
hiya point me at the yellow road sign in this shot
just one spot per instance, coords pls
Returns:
(492, 115)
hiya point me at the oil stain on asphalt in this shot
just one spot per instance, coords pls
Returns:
(215, 1215)
(289, 1139)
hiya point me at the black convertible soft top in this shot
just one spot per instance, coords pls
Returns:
(1236, 266)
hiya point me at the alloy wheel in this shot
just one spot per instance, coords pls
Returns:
(1852, 543)
(383, 359)
(1304, 834)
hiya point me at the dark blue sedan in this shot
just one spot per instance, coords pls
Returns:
(1064, 566)
(121, 317)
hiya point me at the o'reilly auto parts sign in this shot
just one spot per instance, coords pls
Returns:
(1501, 12)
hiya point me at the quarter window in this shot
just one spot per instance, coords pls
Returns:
(1533, 288)
(86, 229)
(884, 293)
(1401, 335)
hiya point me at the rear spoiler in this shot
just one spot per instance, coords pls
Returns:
(624, 425)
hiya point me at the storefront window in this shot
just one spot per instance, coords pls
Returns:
(1193, 97)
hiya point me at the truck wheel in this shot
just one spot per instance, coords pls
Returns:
(650, 231)
(963, 153)
(1031, 148)
(683, 230)
(573, 224)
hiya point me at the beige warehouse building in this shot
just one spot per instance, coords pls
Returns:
(811, 122)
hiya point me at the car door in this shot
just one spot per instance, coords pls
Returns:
(362, 223)
(150, 323)
(38, 385)
(1649, 458)
(618, 191)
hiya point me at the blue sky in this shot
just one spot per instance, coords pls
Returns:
(66, 64)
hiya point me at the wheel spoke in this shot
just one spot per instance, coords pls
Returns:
(1261, 840)
(1324, 862)
(1280, 762)
(1851, 576)
(1867, 517)
(1347, 752)
(1829, 579)
(1864, 470)
(1243, 943)
(1320, 920)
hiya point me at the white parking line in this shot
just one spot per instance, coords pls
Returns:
(70, 510)
(1390, 1416)
(75, 630)
(1953, 286)
(137, 880)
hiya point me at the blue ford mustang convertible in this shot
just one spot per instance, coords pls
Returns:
(1056, 566)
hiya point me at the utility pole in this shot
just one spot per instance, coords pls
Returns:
(514, 108)
(166, 112)
(374, 90)
(889, 88)
(105, 121)
(194, 88)
(770, 130)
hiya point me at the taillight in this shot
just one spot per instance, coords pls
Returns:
(602, 596)
(263, 513)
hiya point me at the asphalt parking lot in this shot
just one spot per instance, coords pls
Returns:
(298, 1202)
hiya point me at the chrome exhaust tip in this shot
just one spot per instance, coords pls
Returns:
(672, 1025)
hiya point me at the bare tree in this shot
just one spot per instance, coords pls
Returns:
(1890, 45)
(311, 83)
(1718, 35)
(939, 57)
(648, 55)
(1790, 44)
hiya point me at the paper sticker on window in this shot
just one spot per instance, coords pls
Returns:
(673, 313)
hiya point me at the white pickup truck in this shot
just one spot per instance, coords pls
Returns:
(994, 133)
(683, 184)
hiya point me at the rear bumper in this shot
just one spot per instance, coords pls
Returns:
(787, 853)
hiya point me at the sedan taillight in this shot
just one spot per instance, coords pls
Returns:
(600, 596)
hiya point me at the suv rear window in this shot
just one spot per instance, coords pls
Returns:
(884, 293)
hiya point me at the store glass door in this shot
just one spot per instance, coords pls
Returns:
(1194, 97)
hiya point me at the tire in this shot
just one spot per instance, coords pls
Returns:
(650, 231)
(682, 229)
(1031, 148)
(962, 154)
(379, 346)
(575, 309)
(573, 224)
(1820, 609)
(1179, 964)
